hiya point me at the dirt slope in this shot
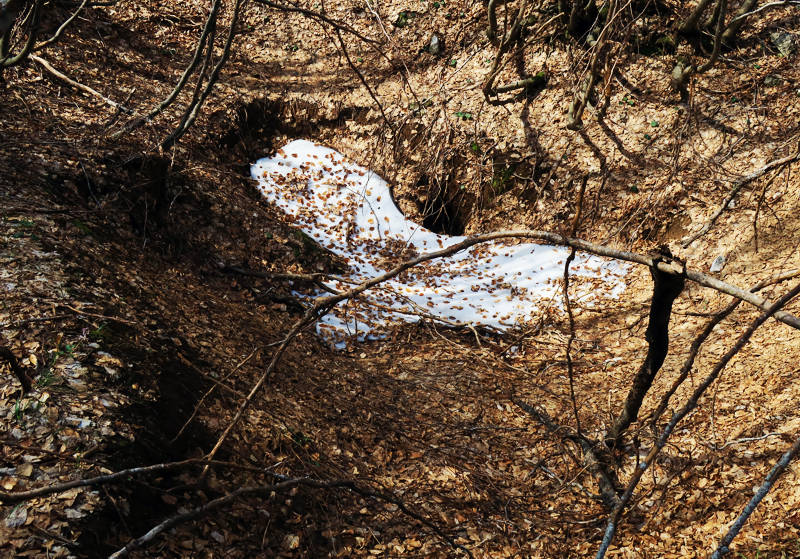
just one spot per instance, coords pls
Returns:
(116, 296)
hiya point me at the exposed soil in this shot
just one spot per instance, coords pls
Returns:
(118, 300)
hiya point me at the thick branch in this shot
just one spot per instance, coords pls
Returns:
(6, 59)
(323, 305)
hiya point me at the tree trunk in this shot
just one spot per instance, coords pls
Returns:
(666, 288)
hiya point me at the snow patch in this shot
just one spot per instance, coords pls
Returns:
(349, 210)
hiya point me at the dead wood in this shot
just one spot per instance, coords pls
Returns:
(268, 491)
(85, 88)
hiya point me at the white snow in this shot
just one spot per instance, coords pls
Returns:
(349, 210)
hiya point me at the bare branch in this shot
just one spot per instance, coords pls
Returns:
(18, 496)
(592, 452)
(210, 24)
(579, 244)
(60, 31)
(616, 514)
(46, 65)
(762, 491)
(737, 186)
(568, 306)
(763, 8)
(318, 16)
(191, 112)
(703, 336)
(266, 491)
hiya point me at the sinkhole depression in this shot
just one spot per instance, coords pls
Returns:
(349, 210)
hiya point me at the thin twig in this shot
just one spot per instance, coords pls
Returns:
(100, 316)
(362, 79)
(703, 336)
(745, 440)
(210, 391)
(46, 65)
(686, 241)
(266, 491)
(568, 306)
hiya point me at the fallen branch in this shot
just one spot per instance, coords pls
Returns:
(15, 497)
(23, 321)
(95, 315)
(769, 6)
(267, 491)
(85, 88)
(7, 497)
(745, 440)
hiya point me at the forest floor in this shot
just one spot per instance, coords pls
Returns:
(118, 299)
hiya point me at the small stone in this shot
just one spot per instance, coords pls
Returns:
(436, 45)
(16, 517)
(783, 41)
(718, 263)
(73, 514)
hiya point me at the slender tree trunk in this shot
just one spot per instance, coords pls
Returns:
(666, 288)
